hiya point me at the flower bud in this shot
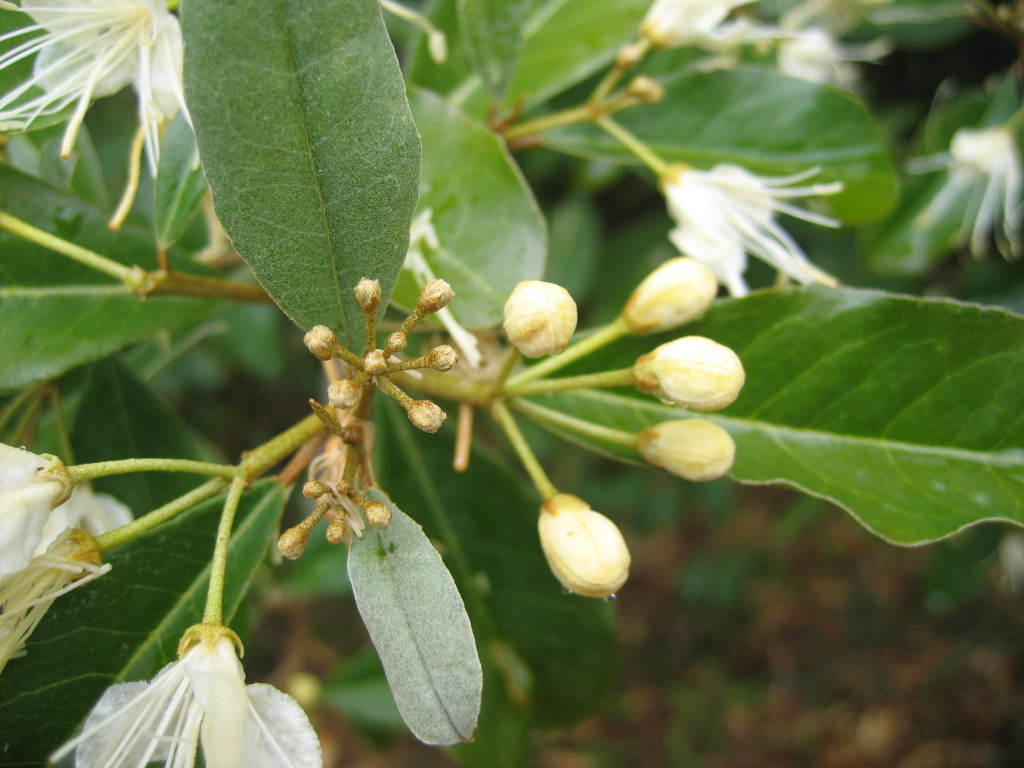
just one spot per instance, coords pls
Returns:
(426, 415)
(442, 358)
(337, 529)
(584, 549)
(397, 341)
(314, 489)
(320, 341)
(367, 293)
(540, 318)
(435, 296)
(692, 372)
(675, 293)
(374, 363)
(646, 90)
(377, 514)
(293, 542)
(344, 393)
(691, 448)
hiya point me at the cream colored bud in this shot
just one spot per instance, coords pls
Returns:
(646, 90)
(337, 529)
(377, 514)
(314, 489)
(426, 415)
(677, 292)
(374, 362)
(691, 448)
(442, 358)
(540, 318)
(397, 341)
(628, 56)
(367, 293)
(435, 295)
(692, 372)
(320, 341)
(344, 393)
(584, 549)
(293, 542)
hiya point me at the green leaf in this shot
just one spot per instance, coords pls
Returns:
(180, 184)
(563, 42)
(764, 121)
(55, 313)
(419, 625)
(905, 412)
(308, 145)
(553, 651)
(491, 32)
(118, 417)
(491, 232)
(126, 625)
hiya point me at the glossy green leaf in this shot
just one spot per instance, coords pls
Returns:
(905, 412)
(491, 30)
(563, 42)
(764, 121)
(553, 652)
(490, 230)
(418, 623)
(180, 184)
(126, 625)
(55, 313)
(308, 145)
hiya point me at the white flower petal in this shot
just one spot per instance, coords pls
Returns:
(278, 732)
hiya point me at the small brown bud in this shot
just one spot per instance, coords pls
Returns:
(314, 489)
(540, 318)
(442, 358)
(397, 341)
(320, 341)
(377, 514)
(435, 295)
(374, 362)
(367, 293)
(344, 393)
(646, 90)
(337, 529)
(293, 542)
(426, 415)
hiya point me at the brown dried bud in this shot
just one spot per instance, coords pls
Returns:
(691, 448)
(320, 341)
(377, 514)
(344, 393)
(435, 295)
(337, 529)
(397, 341)
(646, 90)
(367, 293)
(314, 489)
(692, 372)
(442, 358)
(540, 318)
(293, 542)
(426, 415)
(374, 362)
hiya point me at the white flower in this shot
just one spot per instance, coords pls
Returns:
(26, 498)
(727, 212)
(814, 55)
(200, 698)
(985, 165)
(69, 562)
(672, 23)
(85, 49)
(95, 513)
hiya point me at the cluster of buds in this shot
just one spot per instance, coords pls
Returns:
(341, 503)
(376, 364)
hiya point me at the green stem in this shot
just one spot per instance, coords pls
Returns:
(512, 358)
(214, 613)
(445, 385)
(82, 472)
(634, 145)
(615, 73)
(91, 259)
(522, 448)
(582, 114)
(60, 425)
(619, 378)
(259, 460)
(18, 401)
(126, 533)
(185, 284)
(581, 427)
(598, 339)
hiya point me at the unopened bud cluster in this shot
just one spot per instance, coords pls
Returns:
(377, 363)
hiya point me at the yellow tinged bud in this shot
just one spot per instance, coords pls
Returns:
(540, 318)
(690, 448)
(677, 292)
(435, 296)
(344, 393)
(426, 415)
(692, 372)
(442, 358)
(646, 90)
(377, 514)
(293, 542)
(367, 293)
(320, 341)
(337, 529)
(584, 549)
(397, 341)
(314, 489)
(374, 363)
